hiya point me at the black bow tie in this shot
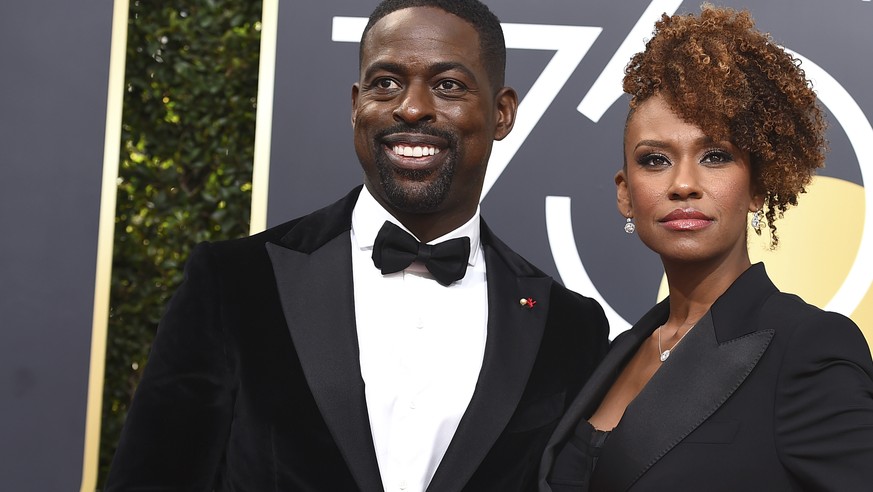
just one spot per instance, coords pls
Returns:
(395, 249)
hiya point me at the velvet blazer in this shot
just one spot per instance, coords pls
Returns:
(765, 393)
(254, 381)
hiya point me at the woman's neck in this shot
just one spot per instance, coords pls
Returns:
(695, 287)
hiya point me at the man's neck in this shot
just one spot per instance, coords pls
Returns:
(427, 227)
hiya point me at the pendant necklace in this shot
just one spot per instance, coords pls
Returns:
(666, 353)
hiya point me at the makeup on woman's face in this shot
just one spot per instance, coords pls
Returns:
(689, 195)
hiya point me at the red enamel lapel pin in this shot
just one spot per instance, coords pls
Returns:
(527, 302)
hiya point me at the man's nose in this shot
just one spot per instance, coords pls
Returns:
(417, 104)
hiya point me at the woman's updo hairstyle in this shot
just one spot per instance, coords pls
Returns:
(720, 73)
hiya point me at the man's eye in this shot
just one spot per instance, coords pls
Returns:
(450, 86)
(386, 84)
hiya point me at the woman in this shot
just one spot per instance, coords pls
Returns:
(728, 384)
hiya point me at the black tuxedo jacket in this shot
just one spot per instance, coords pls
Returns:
(765, 393)
(254, 381)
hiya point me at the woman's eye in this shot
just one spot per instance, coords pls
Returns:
(653, 160)
(717, 157)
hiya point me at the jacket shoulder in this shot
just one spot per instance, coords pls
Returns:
(305, 233)
(789, 312)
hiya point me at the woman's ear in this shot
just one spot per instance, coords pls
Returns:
(622, 195)
(757, 203)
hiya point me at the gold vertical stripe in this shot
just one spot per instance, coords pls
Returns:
(264, 116)
(105, 237)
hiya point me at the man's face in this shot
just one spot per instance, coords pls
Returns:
(425, 115)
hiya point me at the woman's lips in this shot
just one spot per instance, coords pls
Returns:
(686, 220)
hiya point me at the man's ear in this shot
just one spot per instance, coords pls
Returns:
(622, 195)
(506, 105)
(355, 90)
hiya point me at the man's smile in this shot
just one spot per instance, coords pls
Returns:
(415, 151)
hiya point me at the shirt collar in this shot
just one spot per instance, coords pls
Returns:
(369, 216)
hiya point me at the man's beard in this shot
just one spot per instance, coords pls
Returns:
(426, 191)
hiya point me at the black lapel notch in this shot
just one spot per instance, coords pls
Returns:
(317, 298)
(693, 383)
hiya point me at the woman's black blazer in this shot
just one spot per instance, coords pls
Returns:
(765, 393)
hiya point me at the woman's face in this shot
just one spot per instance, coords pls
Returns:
(689, 195)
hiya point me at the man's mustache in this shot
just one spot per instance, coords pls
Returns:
(423, 129)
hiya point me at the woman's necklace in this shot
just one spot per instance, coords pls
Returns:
(666, 353)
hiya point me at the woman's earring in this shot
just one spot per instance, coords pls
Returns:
(756, 222)
(629, 226)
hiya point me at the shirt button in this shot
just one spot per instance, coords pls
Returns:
(412, 406)
(402, 485)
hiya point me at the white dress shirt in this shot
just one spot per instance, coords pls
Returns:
(421, 349)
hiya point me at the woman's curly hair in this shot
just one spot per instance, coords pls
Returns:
(720, 73)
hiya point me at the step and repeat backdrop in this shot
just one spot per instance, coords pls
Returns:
(549, 190)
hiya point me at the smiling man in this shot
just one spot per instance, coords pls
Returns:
(389, 341)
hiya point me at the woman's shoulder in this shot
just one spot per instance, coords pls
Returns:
(811, 333)
(823, 413)
(790, 312)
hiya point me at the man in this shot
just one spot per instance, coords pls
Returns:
(315, 356)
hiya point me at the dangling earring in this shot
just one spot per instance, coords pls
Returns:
(629, 226)
(756, 222)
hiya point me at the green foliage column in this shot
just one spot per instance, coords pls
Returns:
(186, 168)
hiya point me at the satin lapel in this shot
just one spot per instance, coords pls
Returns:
(691, 385)
(620, 351)
(318, 301)
(514, 335)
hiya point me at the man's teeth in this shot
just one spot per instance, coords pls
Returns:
(416, 151)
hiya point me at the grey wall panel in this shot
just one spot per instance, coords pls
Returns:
(55, 61)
